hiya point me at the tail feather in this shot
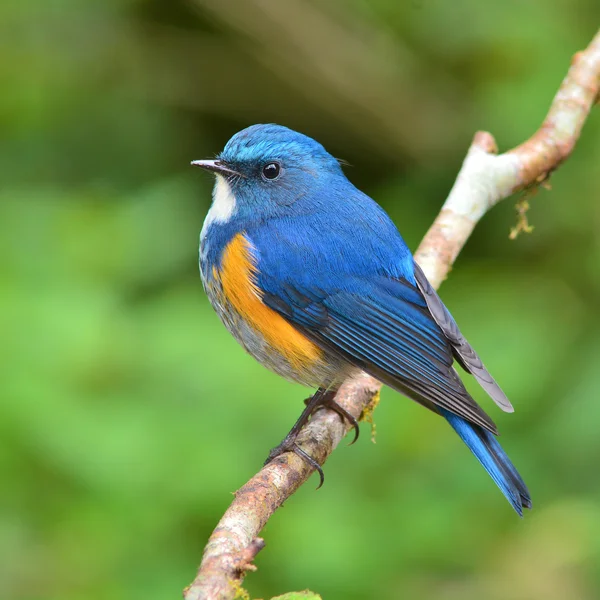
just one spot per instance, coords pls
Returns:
(494, 460)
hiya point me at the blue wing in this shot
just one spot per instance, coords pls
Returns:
(358, 293)
(357, 296)
(345, 278)
(389, 336)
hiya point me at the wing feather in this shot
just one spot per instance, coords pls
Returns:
(463, 351)
(412, 357)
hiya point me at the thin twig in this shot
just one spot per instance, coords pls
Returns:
(484, 179)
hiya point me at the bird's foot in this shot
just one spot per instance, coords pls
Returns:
(289, 445)
(331, 404)
(321, 399)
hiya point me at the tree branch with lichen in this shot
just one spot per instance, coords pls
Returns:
(485, 178)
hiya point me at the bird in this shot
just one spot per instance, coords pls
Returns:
(314, 280)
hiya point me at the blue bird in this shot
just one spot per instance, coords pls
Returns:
(313, 279)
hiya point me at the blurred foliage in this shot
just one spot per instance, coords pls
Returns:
(128, 415)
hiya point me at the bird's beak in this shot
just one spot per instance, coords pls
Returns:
(216, 166)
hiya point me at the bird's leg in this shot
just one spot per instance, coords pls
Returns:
(322, 398)
(289, 441)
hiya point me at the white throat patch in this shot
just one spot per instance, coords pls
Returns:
(223, 205)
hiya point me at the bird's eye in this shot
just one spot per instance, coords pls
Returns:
(271, 170)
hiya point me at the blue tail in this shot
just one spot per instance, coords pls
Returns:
(489, 453)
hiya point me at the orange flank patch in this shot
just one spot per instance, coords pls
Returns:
(238, 279)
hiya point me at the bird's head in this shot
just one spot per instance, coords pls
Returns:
(265, 168)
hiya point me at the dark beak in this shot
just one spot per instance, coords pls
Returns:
(216, 166)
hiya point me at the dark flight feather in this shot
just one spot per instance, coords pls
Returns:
(463, 352)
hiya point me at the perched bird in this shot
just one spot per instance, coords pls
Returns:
(313, 279)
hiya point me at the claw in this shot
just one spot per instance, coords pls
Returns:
(289, 445)
(344, 414)
(322, 399)
(311, 461)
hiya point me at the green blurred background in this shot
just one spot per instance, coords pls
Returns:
(128, 415)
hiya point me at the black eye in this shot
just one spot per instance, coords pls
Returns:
(271, 170)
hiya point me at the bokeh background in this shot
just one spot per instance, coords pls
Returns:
(128, 415)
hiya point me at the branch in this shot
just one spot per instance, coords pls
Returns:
(484, 179)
